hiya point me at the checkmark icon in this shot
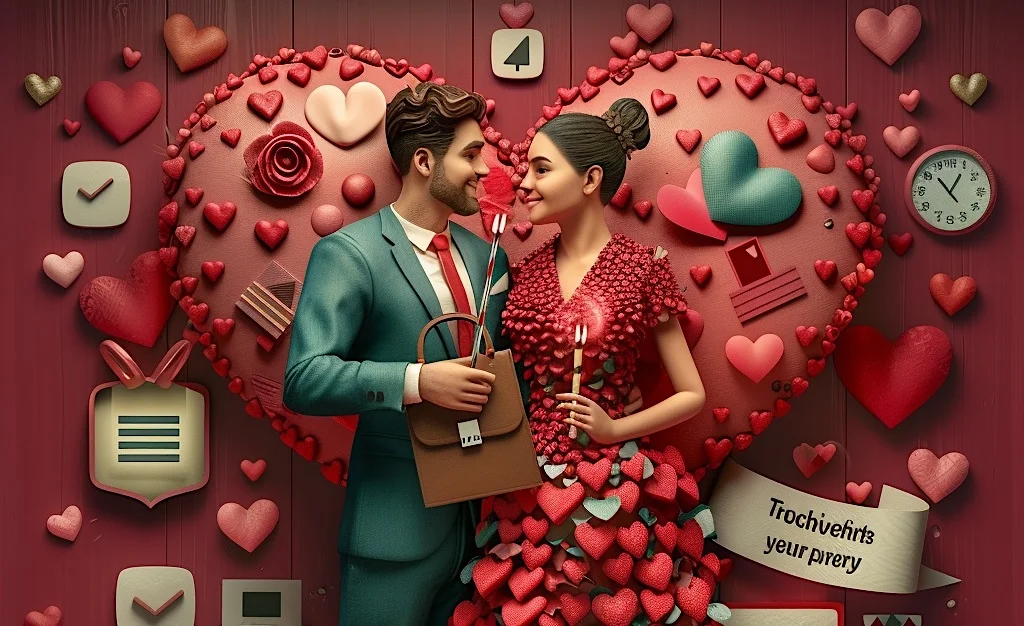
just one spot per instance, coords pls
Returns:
(162, 607)
(92, 195)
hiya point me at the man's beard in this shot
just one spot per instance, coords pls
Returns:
(451, 194)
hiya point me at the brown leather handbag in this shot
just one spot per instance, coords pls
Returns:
(462, 455)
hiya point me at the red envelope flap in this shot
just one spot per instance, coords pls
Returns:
(151, 605)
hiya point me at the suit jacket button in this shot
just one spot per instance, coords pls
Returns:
(380, 396)
(369, 395)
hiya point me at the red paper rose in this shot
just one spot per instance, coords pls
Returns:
(285, 162)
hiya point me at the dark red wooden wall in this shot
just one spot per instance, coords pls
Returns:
(50, 363)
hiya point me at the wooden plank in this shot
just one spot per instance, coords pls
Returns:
(592, 25)
(194, 540)
(784, 32)
(898, 298)
(519, 102)
(693, 21)
(320, 22)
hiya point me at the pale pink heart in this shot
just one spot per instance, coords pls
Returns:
(649, 23)
(516, 15)
(131, 57)
(910, 100)
(248, 527)
(822, 159)
(687, 208)
(754, 359)
(901, 141)
(51, 616)
(937, 477)
(858, 493)
(889, 36)
(253, 469)
(346, 119)
(67, 525)
(63, 270)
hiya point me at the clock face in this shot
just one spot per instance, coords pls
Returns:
(952, 190)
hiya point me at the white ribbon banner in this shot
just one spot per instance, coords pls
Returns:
(834, 543)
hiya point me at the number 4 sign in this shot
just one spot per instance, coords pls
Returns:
(517, 53)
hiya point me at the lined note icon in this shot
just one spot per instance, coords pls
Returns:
(149, 443)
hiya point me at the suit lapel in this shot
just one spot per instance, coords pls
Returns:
(405, 256)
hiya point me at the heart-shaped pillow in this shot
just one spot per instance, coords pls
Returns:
(345, 119)
(135, 308)
(739, 192)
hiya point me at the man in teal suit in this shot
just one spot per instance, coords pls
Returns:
(369, 290)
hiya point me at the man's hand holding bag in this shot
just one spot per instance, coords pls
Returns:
(464, 452)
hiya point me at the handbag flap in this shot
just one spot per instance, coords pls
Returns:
(437, 426)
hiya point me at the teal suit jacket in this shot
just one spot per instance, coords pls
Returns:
(364, 301)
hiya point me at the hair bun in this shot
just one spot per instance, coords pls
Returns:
(634, 119)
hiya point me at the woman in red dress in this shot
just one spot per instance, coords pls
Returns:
(613, 536)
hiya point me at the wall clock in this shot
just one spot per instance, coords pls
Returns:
(950, 190)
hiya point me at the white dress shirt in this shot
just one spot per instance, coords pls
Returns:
(420, 239)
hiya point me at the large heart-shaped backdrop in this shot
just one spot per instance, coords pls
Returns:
(799, 281)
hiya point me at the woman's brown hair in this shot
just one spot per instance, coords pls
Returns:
(425, 116)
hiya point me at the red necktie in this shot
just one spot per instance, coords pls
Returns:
(464, 343)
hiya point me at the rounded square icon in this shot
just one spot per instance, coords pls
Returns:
(96, 194)
(155, 596)
(517, 53)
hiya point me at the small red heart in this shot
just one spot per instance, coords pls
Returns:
(621, 608)
(536, 529)
(123, 113)
(806, 335)
(522, 229)
(266, 75)
(350, 68)
(576, 607)
(871, 257)
(71, 128)
(535, 556)
(588, 91)
(234, 82)
(826, 270)
(235, 385)
(759, 421)
(222, 326)
(858, 143)
(185, 234)
(596, 75)
(784, 130)
(807, 86)
(266, 342)
(625, 46)
(833, 138)
(271, 234)
(633, 539)
(568, 94)
(266, 105)
(558, 503)
(195, 149)
(516, 16)
(694, 599)
(622, 196)
(662, 101)
(858, 493)
(661, 485)
(856, 164)
(688, 139)
(901, 243)
(212, 270)
(863, 199)
(628, 493)
(253, 469)
(708, 85)
(219, 215)
(701, 274)
(717, 451)
(334, 472)
(750, 84)
(423, 72)
(194, 195)
(663, 60)
(398, 68)
(231, 136)
(776, 74)
(174, 168)
(952, 295)
(643, 208)
(829, 194)
(858, 233)
(720, 414)
(811, 103)
(51, 616)
(822, 159)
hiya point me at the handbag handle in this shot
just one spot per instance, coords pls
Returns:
(447, 317)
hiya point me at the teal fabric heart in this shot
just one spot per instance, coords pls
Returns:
(739, 192)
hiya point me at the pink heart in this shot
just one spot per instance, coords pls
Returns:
(754, 359)
(822, 159)
(889, 36)
(858, 493)
(248, 527)
(901, 141)
(63, 270)
(67, 525)
(254, 469)
(625, 46)
(51, 616)
(687, 208)
(651, 22)
(131, 57)
(937, 477)
(809, 460)
(910, 100)
(516, 16)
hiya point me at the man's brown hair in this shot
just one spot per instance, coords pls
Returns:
(425, 117)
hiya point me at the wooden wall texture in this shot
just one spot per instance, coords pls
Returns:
(49, 358)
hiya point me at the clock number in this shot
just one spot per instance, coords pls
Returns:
(938, 166)
(920, 190)
(975, 206)
(925, 206)
(965, 164)
(927, 175)
(938, 216)
(980, 192)
(974, 177)
(963, 216)
(949, 219)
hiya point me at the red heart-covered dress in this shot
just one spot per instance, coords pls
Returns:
(569, 552)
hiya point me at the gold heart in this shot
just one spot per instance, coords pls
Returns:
(968, 89)
(42, 91)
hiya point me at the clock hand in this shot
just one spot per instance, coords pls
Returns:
(947, 189)
(955, 182)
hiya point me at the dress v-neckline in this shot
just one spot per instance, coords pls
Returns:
(558, 280)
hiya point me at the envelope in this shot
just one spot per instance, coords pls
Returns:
(96, 194)
(155, 596)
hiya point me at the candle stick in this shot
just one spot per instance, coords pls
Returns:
(577, 365)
